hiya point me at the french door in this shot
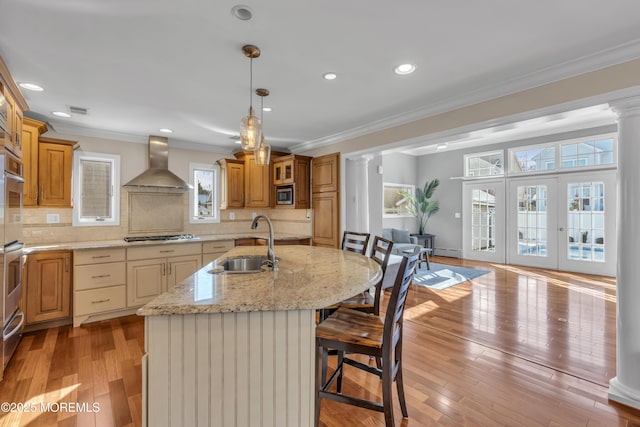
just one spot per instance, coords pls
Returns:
(483, 210)
(565, 222)
(532, 230)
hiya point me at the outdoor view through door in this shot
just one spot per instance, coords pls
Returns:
(554, 208)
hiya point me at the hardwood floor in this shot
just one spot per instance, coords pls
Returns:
(515, 347)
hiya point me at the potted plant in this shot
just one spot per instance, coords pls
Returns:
(420, 204)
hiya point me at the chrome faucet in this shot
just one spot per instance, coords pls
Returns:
(270, 254)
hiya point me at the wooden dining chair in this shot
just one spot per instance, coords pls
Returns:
(364, 301)
(354, 332)
(355, 242)
(380, 253)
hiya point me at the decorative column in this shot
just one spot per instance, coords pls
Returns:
(625, 387)
(357, 195)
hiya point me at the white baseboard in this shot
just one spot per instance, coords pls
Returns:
(450, 252)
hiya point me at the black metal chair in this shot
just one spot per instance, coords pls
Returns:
(354, 332)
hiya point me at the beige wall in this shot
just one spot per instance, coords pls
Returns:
(133, 158)
(595, 83)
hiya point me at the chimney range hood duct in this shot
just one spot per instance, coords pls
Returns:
(158, 174)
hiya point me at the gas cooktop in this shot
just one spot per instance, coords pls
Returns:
(163, 237)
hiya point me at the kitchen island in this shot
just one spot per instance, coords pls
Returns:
(239, 349)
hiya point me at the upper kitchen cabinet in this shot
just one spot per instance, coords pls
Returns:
(231, 183)
(326, 173)
(257, 182)
(12, 105)
(31, 131)
(293, 172)
(48, 168)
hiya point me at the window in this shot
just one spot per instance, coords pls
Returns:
(395, 202)
(587, 153)
(203, 200)
(96, 189)
(532, 159)
(484, 164)
(577, 153)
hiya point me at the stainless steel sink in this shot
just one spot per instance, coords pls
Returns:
(242, 265)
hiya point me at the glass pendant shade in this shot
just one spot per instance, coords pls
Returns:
(262, 153)
(250, 131)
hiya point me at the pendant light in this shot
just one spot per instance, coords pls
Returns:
(250, 126)
(262, 153)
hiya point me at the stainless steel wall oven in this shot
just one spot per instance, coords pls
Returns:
(12, 262)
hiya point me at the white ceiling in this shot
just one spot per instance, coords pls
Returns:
(142, 65)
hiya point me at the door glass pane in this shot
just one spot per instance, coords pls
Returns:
(585, 221)
(483, 226)
(532, 220)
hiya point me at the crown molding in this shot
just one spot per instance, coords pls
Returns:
(606, 58)
(66, 128)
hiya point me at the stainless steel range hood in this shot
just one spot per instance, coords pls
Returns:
(158, 174)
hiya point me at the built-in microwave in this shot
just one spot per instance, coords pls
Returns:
(284, 195)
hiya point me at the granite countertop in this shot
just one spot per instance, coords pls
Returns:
(309, 277)
(98, 244)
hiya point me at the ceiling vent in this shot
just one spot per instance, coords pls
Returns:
(78, 110)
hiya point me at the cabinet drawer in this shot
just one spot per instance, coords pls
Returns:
(96, 256)
(164, 251)
(217, 246)
(98, 300)
(99, 275)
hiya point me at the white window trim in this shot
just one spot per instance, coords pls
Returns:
(558, 155)
(193, 218)
(114, 220)
(482, 154)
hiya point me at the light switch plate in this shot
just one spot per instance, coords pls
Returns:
(232, 216)
(456, 215)
(53, 218)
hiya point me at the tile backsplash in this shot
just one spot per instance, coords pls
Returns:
(37, 231)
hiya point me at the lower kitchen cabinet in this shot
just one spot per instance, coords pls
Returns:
(152, 270)
(48, 286)
(99, 277)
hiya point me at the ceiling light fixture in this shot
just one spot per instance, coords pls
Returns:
(61, 114)
(242, 12)
(31, 86)
(262, 153)
(441, 146)
(330, 76)
(166, 130)
(250, 126)
(267, 109)
(404, 69)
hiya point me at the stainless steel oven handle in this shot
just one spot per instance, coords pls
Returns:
(14, 177)
(17, 329)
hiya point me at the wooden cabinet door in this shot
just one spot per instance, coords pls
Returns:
(257, 184)
(31, 131)
(54, 174)
(235, 195)
(303, 187)
(325, 173)
(146, 279)
(48, 286)
(180, 268)
(17, 131)
(326, 226)
(231, 183)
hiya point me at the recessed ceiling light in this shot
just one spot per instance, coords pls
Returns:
(31, 86)
(242, 12)
(404, 69)
(61, 114)
(330, 76)
(266, 109)
(166, 130)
